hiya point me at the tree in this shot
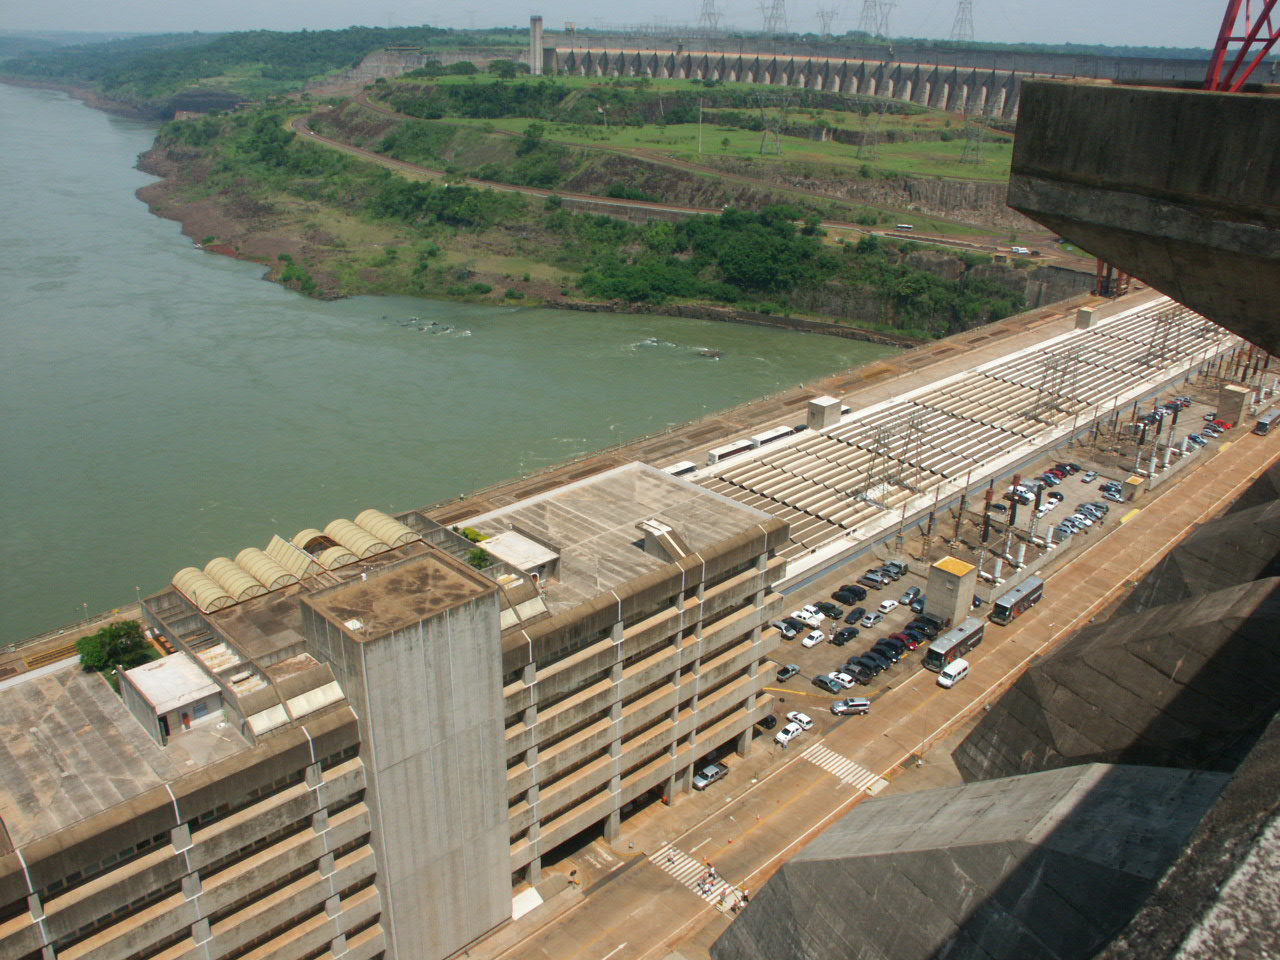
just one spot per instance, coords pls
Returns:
(117, 644)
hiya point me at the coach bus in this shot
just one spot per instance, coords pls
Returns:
(956, 642)
(1265, 422)
(1017, 601)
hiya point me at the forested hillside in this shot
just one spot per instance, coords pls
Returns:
(257, 62)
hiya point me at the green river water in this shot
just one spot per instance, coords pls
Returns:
(160, 405)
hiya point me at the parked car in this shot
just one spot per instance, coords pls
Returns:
(786, 673)
(802, 720)
(852, 707)
(895, 640)
(855, 669)
(843, 636)
(917, 605)
(1223, 424)
(1210, 417)
(845, 681)
(875, 656)
(889, 573)
(1089, 476)
(976, 602)
(889, 653)
(807, 619)
(897, 568)
(888, 606)
(709, 775)
(824, 682)
(1198, 440)
(813, 638)
(927, 627)
(768, 722)
(787, 734)
(813, 611)
(785, 629)
(872, 580)
(908, 595)
(1113, 497)
(1054, 496)
(859, 593)
(830, 609)
(998, 507)
(871, 619)
(1062, 531)
(871, 667)
(856, 614)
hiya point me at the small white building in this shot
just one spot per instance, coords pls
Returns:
(170, 695)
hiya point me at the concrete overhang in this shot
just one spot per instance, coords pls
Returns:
(1176, 186)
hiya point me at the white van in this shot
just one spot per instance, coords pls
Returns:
(953, 673)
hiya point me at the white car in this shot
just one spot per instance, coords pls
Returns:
(806, 618)
(801, 720)
(888, 606)
(1082, 519)
(788, 733)
(809, 610)
(813, 638)
(1046, 507)
(844, 680)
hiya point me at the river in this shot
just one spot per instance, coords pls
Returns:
(160, 405)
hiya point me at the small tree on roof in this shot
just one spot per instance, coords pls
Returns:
(117, 644)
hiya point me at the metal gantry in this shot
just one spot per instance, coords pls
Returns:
(1255, 36)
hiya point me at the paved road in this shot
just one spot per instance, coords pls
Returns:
(644, 905)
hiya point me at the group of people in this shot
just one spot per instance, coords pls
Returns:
(707, 884)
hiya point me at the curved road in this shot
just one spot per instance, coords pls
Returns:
(608, 204)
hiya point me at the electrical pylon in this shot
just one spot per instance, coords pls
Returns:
(962, 28)
(709, 17)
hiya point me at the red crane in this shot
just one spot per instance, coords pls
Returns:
(1256, 38)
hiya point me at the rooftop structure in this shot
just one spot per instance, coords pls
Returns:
(592, 526)
(72, 750)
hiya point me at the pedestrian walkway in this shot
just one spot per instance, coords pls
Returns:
(854, 774)
(691, 872)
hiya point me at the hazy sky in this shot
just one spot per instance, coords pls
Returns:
(1179, 23)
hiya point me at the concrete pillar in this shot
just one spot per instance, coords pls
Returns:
(997, 570)
(612, 825)
(1022, 553)
(744, 742)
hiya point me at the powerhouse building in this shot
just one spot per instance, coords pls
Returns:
(368, 734)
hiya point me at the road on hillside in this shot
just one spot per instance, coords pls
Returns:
(301, 126)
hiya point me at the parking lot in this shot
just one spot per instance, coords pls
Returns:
(799, 692)
(1094, 470)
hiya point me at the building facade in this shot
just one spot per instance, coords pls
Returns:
(400, 737)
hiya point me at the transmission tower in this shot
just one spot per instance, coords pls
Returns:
(869, 142)
(775, 16)
(972, 139)
(962, 28)
(709, 17)
(826, 17)
(771, 139)
(869, 19)
(882, 25)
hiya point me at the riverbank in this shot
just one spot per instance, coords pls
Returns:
(266, 233)
(91, 98)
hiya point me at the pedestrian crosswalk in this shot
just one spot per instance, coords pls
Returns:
(691, 872)
(857, 776)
